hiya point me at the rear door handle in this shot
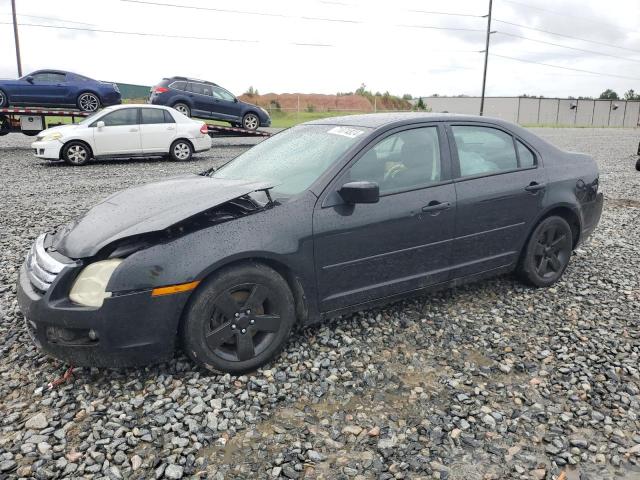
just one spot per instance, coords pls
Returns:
(170, 128)
(534, 187)
(435, 206)
(133, 129)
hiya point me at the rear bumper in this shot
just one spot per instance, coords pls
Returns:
(111, 98)
(48, 150)
(201, 144)
(128, 330)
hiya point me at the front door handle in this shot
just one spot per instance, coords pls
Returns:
(535, 187)
(170, 128)
(133, 129)
(434, 207)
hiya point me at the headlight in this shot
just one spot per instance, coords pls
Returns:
(52, 136)
(89, 287)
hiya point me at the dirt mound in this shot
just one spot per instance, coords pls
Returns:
(316, 102)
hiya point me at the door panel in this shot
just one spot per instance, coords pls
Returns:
(403, 242)
(202, 99)
(120, 135)
(369, 251)
(224, 105)
(156, 135)
(47, 88)
(495, 210)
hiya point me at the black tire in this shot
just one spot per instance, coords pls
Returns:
(88, 102)
(638, 165)
(5, 126)
(547, 253)
(4, 100)
(238, 319)
(182, 108)
(250, 121)
(181, 151)
(76, 153)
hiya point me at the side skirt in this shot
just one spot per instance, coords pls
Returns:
(456, 282)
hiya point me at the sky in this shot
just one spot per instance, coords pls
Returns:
(329, 46)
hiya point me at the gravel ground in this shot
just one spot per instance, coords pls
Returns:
(490, 381)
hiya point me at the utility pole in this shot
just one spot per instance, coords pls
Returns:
(486, 58)
(15, 35)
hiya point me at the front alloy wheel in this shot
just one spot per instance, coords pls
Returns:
(239, 319)
(88, 102)
(548, 252)
(3, 99)
(76, 153)
(250, 121)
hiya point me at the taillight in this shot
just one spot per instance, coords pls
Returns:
(160, 89)
(204, 129)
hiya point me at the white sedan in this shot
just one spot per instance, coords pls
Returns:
(125, 131)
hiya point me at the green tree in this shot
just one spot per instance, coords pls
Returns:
(362, 90)
(420, 105)
(251, 92)
(609, 94)
(407, 96)
(631, 95)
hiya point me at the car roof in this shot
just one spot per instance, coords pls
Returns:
(187, 79)
(377, 120)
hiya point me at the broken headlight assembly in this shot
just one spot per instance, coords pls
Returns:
(89, 288)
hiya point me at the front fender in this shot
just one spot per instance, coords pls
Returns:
(281, 235)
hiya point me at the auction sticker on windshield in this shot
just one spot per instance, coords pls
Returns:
(346, 131)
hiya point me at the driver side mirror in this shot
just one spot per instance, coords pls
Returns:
(100, 124)
(30, 79)
(235, 100)
(360, 192)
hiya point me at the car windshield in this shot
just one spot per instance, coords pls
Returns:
(92, 117)
(294, 159)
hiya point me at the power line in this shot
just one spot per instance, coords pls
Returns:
(53, 19)
(447, 13)
(567, 36)
(441, 28)
(565, 68)
(611, 25)
(568, 47)
(161, 35)
(242, 12)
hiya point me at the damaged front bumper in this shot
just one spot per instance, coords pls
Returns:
(129, 329)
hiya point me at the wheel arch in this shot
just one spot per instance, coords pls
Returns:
(186, 139)
(284, 270)
(565, 211)
(77, 140)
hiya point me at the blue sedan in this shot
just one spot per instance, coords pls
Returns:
(60, 89)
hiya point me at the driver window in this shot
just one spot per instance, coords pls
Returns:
(124, 116)
(402, 161)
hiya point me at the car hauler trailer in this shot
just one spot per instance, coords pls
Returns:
(32, 121)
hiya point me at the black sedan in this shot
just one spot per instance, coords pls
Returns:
(325, 218)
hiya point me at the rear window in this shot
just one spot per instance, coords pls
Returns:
(168, 118)
(178, 85)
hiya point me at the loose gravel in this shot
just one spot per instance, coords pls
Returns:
(491, 381)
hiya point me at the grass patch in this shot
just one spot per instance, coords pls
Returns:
(280, 119)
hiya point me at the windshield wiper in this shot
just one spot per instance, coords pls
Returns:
(208, 171)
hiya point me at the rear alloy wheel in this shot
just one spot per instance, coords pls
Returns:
(547, 253)
(238, 319)
(76, 153)
(250, 121)
(181, 151)
(4, 101)
(88, 102)
(183, 109)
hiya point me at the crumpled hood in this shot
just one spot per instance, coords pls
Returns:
(147, 208)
